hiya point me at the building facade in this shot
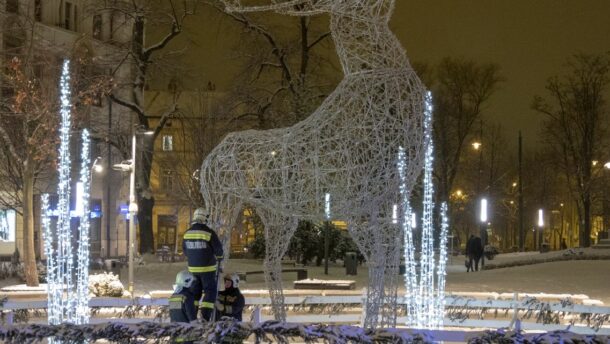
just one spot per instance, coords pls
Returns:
(50, 31)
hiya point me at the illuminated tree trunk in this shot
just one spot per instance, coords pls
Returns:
(29, 255)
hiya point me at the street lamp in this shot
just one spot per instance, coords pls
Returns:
(326, 231)
(476, 145)
(483, 228)
(130, 166)
(97, 166)
(483, 216)
(540, 227)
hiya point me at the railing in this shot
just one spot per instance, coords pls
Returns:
(526, 313)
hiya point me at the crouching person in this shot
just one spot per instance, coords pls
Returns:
(230, 302)
(182, 304)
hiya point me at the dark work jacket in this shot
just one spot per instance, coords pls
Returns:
(183, 306)
(202, 248)
(474, 248)
(233, 302)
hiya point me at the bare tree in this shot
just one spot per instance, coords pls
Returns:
(285, 73)
(28, 121)
(147, 58)
(576, 120)
(460, 90)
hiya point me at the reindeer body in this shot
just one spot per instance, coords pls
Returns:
(347, 148)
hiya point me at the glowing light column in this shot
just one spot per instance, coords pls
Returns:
(67, 302)
(412, 292)
(82, 273)
(64, 252)
(426, 290)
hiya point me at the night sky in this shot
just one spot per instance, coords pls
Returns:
(529, 39)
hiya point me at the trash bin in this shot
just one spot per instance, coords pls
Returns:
(402, 269)
(545, 247)
(351, 263)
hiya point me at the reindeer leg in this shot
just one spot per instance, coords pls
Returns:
(279, 230)
(366, 235)
(392, 237)
(379, 241)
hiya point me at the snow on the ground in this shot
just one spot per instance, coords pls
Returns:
(23, 287)
(589, 277)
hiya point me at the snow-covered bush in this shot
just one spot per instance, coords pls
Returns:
(490, 252)
(18, 270)
(105, 284)
(8, 270)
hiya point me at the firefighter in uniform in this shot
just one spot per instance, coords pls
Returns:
(230, 301)
(204, 251)
(182, 303)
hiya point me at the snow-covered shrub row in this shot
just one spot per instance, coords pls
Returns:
(105, 284)
(270, 331)
(539, 260)
(509, 337)
(9, 269)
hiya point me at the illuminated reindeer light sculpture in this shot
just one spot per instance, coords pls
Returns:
(347, 149)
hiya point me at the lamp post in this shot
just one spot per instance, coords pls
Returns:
(326, 232)
(605, 206)
(483, 228)
(540, 228)
(133, 205)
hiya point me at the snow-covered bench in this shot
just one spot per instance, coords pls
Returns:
(301, 273)
(325, 284)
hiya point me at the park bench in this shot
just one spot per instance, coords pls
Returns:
(301, 273)
(325, 284)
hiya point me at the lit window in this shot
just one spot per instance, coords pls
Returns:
(67, 15)
(12, 6)
(38, 10)
(97, 26)
(7, 225)
(168, 143)
(167, 180)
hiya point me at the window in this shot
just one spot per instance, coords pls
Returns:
(167, 180)
(168, 143)
(11, 47)
(38, 10)
(7, 225)
(12, 6)
(97, 26)
(166, 231)
(68, 15)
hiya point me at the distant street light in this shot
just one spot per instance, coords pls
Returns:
(483, 228)
(540, 227)
(97, 166)
(483, 216)
(607, 165)
(476, 145)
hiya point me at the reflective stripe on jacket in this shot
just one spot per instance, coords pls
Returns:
(182, 307)
(202, 248)
(233, 303)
